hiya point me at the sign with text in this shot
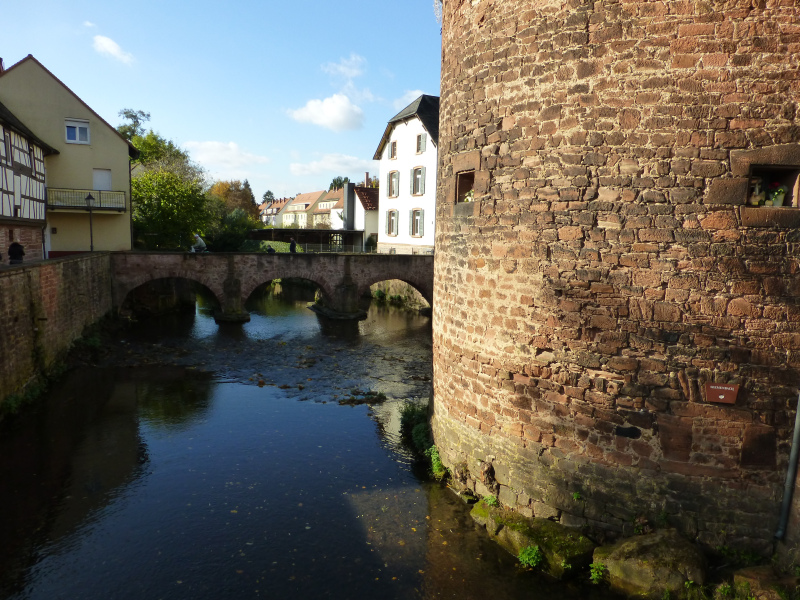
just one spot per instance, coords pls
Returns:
(723, 393)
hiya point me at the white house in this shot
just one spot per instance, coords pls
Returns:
(408, 158)
(296, 212)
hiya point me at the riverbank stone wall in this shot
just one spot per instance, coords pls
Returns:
(44, 308)
(599, 262)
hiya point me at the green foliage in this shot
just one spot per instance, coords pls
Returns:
(576, 496)
(338, 182)
(740, 558)
(135, 125)
(153, 148)
(167, 210)
(530, 556)
(412, 413)
(437, 467)
(268, 196)
(421, 437)
(379, 295)
(491, 501)
(597, 573)
(230, 234)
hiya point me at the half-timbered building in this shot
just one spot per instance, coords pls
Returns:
(22, 186)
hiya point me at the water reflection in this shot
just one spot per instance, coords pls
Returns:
(173, 482)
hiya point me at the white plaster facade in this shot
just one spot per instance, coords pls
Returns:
(407, 198)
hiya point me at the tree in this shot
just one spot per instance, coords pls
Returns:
(230, 232)
(167, 210)
(153, 148)
(268, 196)
(338, 182)
(135, 126)
(235, 194)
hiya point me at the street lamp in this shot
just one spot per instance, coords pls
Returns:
(90, 206)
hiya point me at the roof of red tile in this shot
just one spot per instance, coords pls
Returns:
(368, 197)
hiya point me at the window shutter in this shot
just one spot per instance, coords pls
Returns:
(421, 223)
(411, 222)
(388, 222)
(411, 191)
(422, 144)
(389, 185)
(422, 182)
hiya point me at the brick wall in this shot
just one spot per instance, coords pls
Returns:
(29, 236)
(609, 266)
(44, 307)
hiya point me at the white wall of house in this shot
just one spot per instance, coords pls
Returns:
(413, 208)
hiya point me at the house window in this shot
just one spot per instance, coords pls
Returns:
(393, 187)
(417, 181)
(421, 141)
(393, 150)
(464, 185)
(391, 222)
(416, 222)
(77, 131)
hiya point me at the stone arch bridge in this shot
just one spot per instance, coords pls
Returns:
(232, 277)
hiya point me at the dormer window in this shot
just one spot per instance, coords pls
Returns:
(77, 131)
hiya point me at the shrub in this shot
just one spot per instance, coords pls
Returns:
(530, 556)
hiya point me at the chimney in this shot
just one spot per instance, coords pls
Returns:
(366, 179)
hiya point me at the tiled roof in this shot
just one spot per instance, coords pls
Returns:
(307, 199)
(368, 197)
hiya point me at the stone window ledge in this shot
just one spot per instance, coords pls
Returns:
(770, 216)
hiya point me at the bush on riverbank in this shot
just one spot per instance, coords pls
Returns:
(416, 432)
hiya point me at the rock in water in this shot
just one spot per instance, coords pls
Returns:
(650, 565)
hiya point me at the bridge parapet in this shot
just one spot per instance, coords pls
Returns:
(232, 277)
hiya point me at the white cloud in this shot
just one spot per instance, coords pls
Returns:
(105, 45)
(225, 159)
(89, 24)
(339, 164)
(347, 67)
(337, 113)
(407, 99)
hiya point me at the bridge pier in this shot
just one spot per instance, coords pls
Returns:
(343, 304)
(232, 310)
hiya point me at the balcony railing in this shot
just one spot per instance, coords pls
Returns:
(64, 198)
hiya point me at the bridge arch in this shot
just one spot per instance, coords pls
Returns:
(164, 294)
(232, 277)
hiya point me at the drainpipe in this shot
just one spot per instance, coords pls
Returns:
(791, 476)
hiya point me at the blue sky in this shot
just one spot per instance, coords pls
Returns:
(285, 94)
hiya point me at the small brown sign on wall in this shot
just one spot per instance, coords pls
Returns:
(723, 393)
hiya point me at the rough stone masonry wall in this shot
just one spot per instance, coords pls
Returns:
(44, 307)
(608, 267)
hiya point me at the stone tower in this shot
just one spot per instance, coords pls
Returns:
(608, 265)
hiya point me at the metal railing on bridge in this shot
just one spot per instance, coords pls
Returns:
(71, 198)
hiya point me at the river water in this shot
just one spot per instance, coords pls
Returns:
(188, 460)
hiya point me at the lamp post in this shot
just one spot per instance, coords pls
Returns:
(90, 206)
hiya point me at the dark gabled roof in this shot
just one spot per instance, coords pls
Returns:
(426, 109)
(133, 152)
(8, 119)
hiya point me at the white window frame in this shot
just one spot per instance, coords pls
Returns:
(393, 184)
(417, 226)
(77, 125)
(417, 181)
(392, 217)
